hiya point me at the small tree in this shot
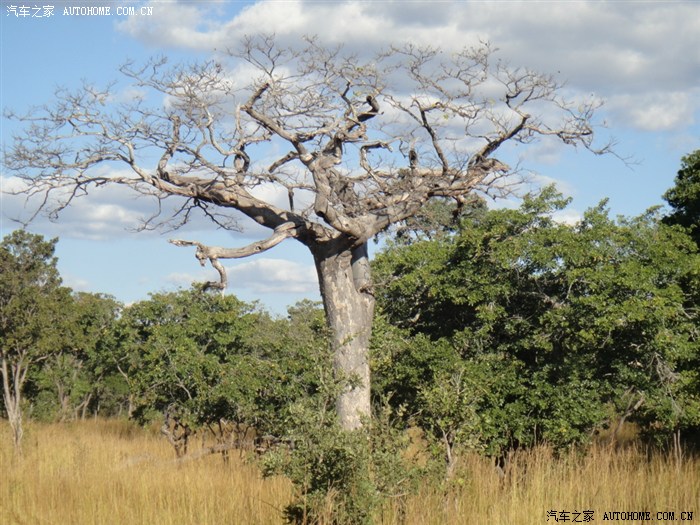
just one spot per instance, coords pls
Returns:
(186, 343)
(210, 362)
(31, 303)
(353, 145)
(73, 378)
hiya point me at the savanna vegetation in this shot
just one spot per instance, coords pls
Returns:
(484, 362)
(112, 471)
(520, 365)
(342, 148)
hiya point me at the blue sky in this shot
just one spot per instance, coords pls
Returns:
(642, 58)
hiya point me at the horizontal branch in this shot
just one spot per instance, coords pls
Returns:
(214, 253)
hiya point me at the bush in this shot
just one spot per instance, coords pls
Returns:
(342, 477)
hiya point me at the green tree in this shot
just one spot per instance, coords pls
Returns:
(552, 326)
(32, 303)
(684, 197)
(71, 382)
(179, 346)
(200, 358)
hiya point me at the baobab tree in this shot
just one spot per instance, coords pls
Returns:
(353, 145)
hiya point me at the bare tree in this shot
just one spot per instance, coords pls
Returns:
(352, 145)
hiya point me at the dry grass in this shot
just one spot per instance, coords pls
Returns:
(603, 480)
(109, 472)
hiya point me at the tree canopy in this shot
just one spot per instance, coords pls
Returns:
(31, 308)
(684, 197)
(497, 329)
(543, 331)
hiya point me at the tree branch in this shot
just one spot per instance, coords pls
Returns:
(214, 253)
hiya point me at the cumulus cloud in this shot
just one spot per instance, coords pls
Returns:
(76, 283)
(110, 212)
(538, 180)
(642, 56)
(265, 275)
(258, 275)
(173, 25)
(655, 111)
(185, 279)
(568, 216)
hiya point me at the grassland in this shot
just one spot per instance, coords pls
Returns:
(109, 472)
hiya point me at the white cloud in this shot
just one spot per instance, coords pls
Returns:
(265, 275)
(568, 216)
(547, 151)
(272, 193)
(539, 181)
(642, 56)
(258, 275)
(172, 25)
(76, 283)
(108, 212)
(185, 279)
(656, 111)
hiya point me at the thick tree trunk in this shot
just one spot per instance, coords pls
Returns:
(345, 282)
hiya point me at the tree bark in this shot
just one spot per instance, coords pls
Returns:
(345, 283)
(13, 376)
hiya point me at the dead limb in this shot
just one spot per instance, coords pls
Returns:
(214, 253)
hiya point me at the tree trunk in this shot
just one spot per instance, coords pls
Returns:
(82, 408)
(345, 282)
(13, 375)
(63, 402)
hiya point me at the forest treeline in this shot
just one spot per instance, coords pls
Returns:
(496, 330)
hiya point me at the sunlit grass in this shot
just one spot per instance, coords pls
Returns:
(113, 473)
(602, 480)
(110, 472)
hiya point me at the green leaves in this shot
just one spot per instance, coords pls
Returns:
(32, 323)
(574, 315)
(684, 197)
(218, 358)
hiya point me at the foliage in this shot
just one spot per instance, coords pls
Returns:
(205, 358)
(684, 197)
(549, 325)
(209, 358)
(55, 343)
(439, 217)
(32, 326)
(339, 476)
(368, 143)
(76, 379)
(498, 329)
(175, 350)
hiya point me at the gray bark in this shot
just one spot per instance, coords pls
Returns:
(13, 376)
(349, 305)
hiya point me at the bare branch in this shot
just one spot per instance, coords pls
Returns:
(214, 253)
(216, 138)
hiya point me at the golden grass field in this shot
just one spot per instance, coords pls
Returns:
(111, 472)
